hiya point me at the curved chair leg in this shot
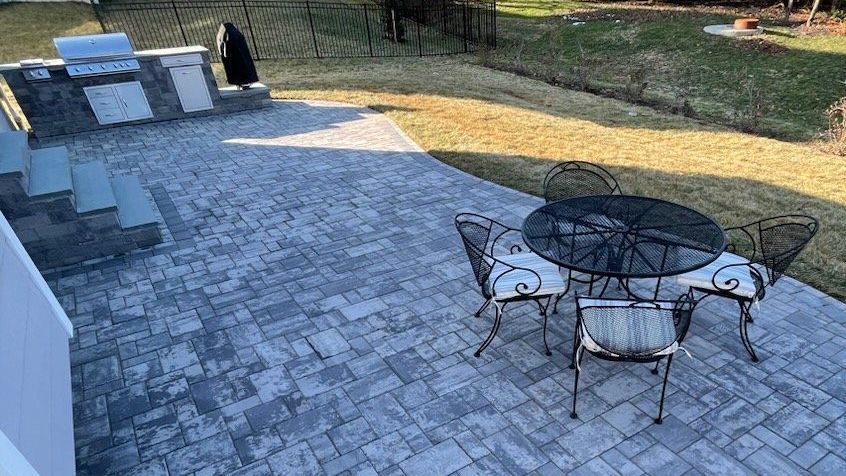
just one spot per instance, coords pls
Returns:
(482, 309)
(541, 307)
(562, 294)
(660, 418)
(545, 344)
(604, 287)
(555, 306)
(655, 370)
(575, 346)
(494, 330)
(573, 414)
(744, 332)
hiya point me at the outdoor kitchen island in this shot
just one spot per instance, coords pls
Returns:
(100, 82)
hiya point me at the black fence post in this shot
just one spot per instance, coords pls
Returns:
(311, 25)
(179, 22)
(464, 22)
(492, 34)
(419, 38)
(95, 4)
(250, 26)
(367, 26)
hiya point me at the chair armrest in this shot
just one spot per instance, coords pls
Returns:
(522, 288)
(515, 247)
(742, 241)
(727, 283)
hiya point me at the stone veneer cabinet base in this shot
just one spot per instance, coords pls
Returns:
(59, 105)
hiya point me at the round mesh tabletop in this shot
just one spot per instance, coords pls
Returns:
(623, 236)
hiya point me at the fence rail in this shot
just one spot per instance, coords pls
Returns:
(277, 29)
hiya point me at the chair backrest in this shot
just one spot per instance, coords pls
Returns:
(635, 329)
(475, 231)
(578, 179)
(775, 242)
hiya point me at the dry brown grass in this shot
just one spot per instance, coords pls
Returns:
(510, 130)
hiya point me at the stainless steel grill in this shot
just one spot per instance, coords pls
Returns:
(96, 55)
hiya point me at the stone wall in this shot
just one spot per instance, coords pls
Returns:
(54, 234)
(59, 106)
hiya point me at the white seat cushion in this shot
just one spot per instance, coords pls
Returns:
(551, 281)
(704, 277)
(627, 328)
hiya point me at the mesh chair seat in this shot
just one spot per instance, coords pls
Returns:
(735, 280)
(627, 328)
(506, 282)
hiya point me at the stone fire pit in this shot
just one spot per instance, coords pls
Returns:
(741, 27)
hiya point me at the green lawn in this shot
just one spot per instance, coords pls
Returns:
(799, 75)
(537, 8)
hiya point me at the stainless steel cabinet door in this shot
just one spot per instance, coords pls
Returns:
(133, 101)
(105, 104)
(192, 89)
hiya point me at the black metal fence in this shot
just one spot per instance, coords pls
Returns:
(278, 29)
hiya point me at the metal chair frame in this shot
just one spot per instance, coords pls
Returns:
(753, 245)
(525, 291)
(682, 310)
(560, 171)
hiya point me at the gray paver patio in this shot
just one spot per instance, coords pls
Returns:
(314, 316)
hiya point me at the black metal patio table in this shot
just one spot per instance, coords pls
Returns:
(623, 237)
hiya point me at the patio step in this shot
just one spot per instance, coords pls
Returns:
(14, 154)
(49, 173)
(67, 213)
(133, 208)
(92, 189)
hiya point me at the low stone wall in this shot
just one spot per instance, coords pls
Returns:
(54, 234)
(59, 106)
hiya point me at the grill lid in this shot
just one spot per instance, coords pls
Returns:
(93, 47)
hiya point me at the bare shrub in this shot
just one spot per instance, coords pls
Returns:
(837, 126)
(683, 88)
(585, 69)
(519, 63)
(755, 105)
(635, 83)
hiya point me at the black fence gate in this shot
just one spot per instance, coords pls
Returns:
(277, 29)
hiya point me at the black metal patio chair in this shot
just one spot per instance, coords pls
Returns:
(630, 331)
(505, 270)
(577, 178)
(771, 245)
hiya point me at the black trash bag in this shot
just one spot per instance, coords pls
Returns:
(235, 55)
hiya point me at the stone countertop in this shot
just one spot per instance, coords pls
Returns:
(59, 63)
(171, 51)
(255, 89)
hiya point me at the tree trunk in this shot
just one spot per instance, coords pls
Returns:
(788, 6)
(813, 12)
